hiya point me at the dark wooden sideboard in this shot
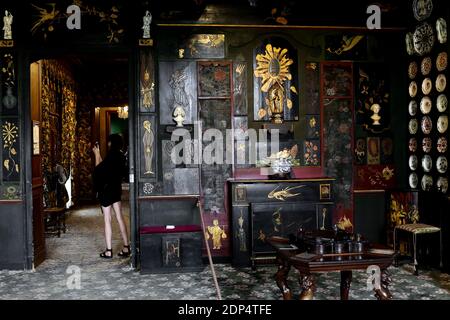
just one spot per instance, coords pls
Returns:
(261, 209)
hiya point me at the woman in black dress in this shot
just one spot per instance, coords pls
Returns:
(108, 177)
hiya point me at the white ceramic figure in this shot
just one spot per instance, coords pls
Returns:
(7, 25)
(147, 22)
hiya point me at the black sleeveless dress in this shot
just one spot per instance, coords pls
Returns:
(108, 177)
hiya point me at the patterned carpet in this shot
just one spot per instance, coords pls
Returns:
(114, 279)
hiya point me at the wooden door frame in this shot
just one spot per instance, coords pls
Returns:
(26, 58)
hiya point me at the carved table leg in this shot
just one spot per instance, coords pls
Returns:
(346, 280)
(281, 279)
(307, 285)
(383, 293)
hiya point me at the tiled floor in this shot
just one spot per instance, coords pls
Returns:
(78, 249)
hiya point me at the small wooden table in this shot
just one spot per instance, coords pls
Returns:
(289, 256)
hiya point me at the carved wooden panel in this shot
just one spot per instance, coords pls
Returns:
(147, 81)
(177, 87)
(147, 146)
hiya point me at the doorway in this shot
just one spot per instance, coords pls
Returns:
(76, 100)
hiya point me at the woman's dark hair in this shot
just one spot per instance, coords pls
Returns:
(116, 142)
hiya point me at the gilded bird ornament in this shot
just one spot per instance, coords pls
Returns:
(283, 194)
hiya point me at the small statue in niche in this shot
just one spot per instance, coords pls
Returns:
(7, 23)
(217, 234)
(147, 22)
(148, 140)
(375, 117)
(181, 101)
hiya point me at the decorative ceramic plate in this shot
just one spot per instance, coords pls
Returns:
(427, 163)
(441, 164)
(422, 9)
(409, 39)
(441, 145)
(427, 182)
(441, 82)
(442, 184)
(441, 61)
(426, 145)
(425, 66)
(442, 124)
(413, 126)
(426, 125)
(442, 103)
(412, 145)
(441, 29)
(425, 105)
(412, 89)
(427, 85)
(413, 162)
(412, 70)
(413, 180)
(423, 39)
(412, 108)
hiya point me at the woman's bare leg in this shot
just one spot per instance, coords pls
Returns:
(123, 229)
(108, 230)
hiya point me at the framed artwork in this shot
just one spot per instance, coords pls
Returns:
(214, 80)
(171, 256)
(360, 151)
(337, 80)
(204, 46)
(240, 194)
(373, 150)
(11, 150)
(36, 138)
(311, 153)
(387, 149)
(177, 90)
(325, 191)
(312, 126)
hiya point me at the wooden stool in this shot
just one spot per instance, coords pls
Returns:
(58, 220)
(415, 229)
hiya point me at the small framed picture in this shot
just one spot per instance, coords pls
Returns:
(240, 194)
(325, 191)
(36, 138)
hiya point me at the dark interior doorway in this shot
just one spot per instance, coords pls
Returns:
(76, 100)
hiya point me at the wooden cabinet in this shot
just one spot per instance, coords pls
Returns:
(265, 208)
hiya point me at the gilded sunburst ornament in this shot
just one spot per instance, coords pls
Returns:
(273, 67)
(10, 133)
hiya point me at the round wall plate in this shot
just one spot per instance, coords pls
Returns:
(441, 30)
(413, 126)
(422, 9)
(423, 38)
(427, 85)
(441, 164)
(427, 163)
(441, 103)
(412, 108)
(413, 162)
(412, 89)
(441, 61)
(413, 180)
(442, 184)
(441, 82)
(442, 124)
(426, 125)
(412, 70)
(425, 66)
(425, 105)
(427, 144)
(441, 145)
(427, 182)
